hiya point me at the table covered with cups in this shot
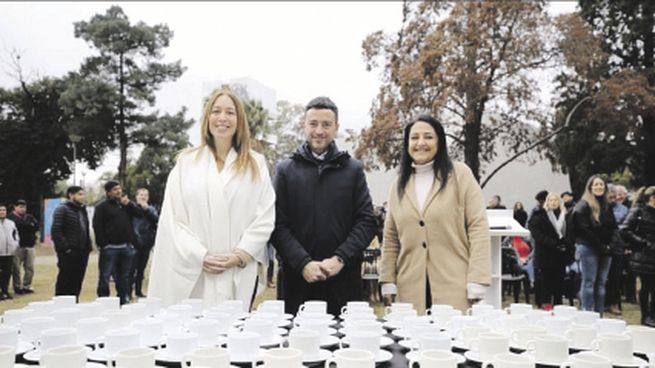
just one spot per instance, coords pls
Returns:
(60, 333)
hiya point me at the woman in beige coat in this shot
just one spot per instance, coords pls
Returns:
(436, 246)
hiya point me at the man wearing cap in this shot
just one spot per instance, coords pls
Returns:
(112, 224)
(324, 216)
(8, 243)
(27, 227)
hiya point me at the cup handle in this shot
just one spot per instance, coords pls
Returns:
(513, 337)
(595, 345)
(416, 346)
(344, 309)
(530, 346)
(428, 312)
(411, 363)
(301, 308)
(469, 311)
(568, 336)
(340, 343)
(487, 363)
(565, 365)
(111, 363)
(330, 361)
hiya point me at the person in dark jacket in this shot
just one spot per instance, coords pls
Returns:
(145, 229)
(24, 257)
(324, 216)
(548, 228)
(70, 233)
(639, 231)
(519, 214)
(112, 225)
(593, 229)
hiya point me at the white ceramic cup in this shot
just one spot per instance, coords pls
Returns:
(358, 316)
(507, 324)
(566, 311)
(319, 325)
(224, 320)
(435, 359)
(196, 305)
(212, 357)
(273, 305)
(643, 338)
(365, 325)
(617, 347)
(536, 316)
(479, 309)
(224, 308)
(172, 322)
(13, 317)
(283, 358)
(520, 336)
(243, 345)
(587, 359)
(580, 336)
(549, 348)
(55, 337)
(66, 317)
(153, 305)
(109, 302)
(136, 310)
(364, 340)
(432, 341)
(121, 339)
(265, 328)
(118, 318)
(9, 336)
(30, 328)
(354, 306)
(184, 312)
(306, 340)
(510, 360)
(206, 331)
(488, 344)
(456, 323)
(468, 333)
(134, 358)
(351, 358)
(490, 315)
(398, 315)
(520, 309)
(585, 317)
(236, 304)
(90, 309)
(64, 301)
(69, 356)
(609, 325)
(42, 308)
(182, 343)
(89, 330)
(557, 325)
(7, 355)
(316, 306)
(397, 307)
(442, 316)
(152, 331)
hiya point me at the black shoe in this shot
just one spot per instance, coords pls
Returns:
(648, 322)
(19, 291)
(28, 291)
(7, 296)
(4, 296)
(141, 295)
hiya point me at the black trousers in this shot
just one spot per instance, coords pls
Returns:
(72, 267)
(138, 268)
(551, 281)
(614, 278)
(647, 296)
(6, 265)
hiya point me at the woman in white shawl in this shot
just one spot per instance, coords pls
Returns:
(217, 215)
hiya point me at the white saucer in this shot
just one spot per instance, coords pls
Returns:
(88, 365)
(220, 341)
(636, 362)
(284, 323)
(287, 316)
(414, 355)
(402, 333)
(473, 356)
(578, 348)
(23, 347)
(343, 331)
(35, 355)
(323, 355)
(329, 340)
(99, 355)
(331, 331)
(552, 364)
(460, 345)
(240, 360)
(393, 325)
(408, 344)
(274, 342)
(281, 331)
(384, 341)
(383, 356)
(162, 355)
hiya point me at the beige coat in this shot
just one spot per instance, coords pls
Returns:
(448, 241)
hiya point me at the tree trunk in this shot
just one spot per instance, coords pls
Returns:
(472, 146)
(122, 134)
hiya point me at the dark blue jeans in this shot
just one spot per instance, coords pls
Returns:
(118, 262)
(594, 269)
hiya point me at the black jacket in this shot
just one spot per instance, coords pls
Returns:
(587, 231)
(27, 227)
(550, 250)
(70, 228)
(638, 229)
(112, 222)
(323, 208)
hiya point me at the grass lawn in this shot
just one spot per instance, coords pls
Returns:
(45, 274)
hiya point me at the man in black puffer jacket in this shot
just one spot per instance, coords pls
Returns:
(639, 231)
(324, 217)
(70, 233)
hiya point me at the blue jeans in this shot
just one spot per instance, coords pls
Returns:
(118, 262)
(594, 269)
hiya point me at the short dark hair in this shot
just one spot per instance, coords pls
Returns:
(566, 193)
(321, 103)
(110, 185)
(73, 190)
(21, 202)
(541, 196)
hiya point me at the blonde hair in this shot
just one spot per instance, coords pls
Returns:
(554, 195)
(240, 140)
(590, 198)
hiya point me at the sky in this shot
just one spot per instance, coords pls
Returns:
(299, 49)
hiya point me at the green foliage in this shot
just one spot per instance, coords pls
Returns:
(163, 139)
(124, 74)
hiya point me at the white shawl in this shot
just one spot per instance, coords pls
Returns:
(205, 210)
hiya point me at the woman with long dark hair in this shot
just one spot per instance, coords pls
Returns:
(436, 235)
(593, 228)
